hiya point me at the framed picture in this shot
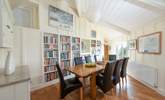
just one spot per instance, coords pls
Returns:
(60, 18)
(93, 34)
(150, 44)
(85, 46)
(132, 44)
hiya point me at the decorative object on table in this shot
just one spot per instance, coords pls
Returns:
(150, 43)
(93, 34)
(132, 44)
(9, 64)
(85, 46)
(90, 65)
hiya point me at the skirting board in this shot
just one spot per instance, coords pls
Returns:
(158, 90)
(45, 84)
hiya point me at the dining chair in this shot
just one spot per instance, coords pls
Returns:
(95, 57)
(116, 73)
(78, 60)
(88, 59)
(123, 73)
(69, 85)
(104, 81)
(112, 57)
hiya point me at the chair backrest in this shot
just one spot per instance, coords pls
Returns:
(117, 71)
(95, 57)
(108, 72)
(88, 59)
(78, 60)
(124, 67)
(112, 57)
(61, 78)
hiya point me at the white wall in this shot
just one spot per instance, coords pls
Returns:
(27, 41)
(156, 61)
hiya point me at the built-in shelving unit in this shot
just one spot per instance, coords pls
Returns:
(65, 53)
(98, 47)
(51, 56)
(93, 47)
(75, 48)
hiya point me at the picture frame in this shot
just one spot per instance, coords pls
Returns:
(93, 34)
(85, 46)
(132, 44)
(150, 43)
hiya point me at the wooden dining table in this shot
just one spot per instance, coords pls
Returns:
(83, 72)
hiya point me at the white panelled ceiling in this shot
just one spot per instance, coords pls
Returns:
(125, 14)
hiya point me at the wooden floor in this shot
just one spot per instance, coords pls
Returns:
(133, 90)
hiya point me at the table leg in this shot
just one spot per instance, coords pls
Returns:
(81, 93)
(93, 86)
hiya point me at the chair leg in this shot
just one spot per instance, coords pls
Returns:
(119, 85)
(122, 81)
(126, 79)
(81, 93)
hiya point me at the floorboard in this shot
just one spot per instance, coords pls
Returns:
(133, 90)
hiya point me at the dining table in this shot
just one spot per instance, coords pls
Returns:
(82, 71)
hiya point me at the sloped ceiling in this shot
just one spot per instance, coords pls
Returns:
(126, 15)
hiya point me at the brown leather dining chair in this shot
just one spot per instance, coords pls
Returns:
(88, 59)
(123, 73)
(104, 81)
(117, 70)
(78, 60)
(69, 85)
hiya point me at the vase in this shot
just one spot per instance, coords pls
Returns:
(9, 64)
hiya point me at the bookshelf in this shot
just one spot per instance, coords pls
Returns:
(98, 47)
(75, 48)
(93, 47)
(65, 53)
(51, 56)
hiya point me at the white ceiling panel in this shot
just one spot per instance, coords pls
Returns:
(126, 14)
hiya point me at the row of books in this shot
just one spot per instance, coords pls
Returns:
(51, 46)
(51, 54)
(76, 47)
(51, 76)
(65, 47)
(52, 61)
(65, 63)
(65, 39)
(49, 68)
(51, 39)
(66, 73)
(65, 55)
(75, 40)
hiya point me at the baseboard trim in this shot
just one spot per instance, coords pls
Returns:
(46, 84)
(161, 91)
(158, 90)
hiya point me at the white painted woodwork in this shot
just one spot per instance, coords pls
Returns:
(127, 14)
(6, 25)
(18, 91)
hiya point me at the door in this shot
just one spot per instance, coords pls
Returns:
(106, 52)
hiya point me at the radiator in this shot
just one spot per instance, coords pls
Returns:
(143, 73)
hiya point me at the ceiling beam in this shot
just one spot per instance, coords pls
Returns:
(115, 27)
(78, 6)
(150, 5)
